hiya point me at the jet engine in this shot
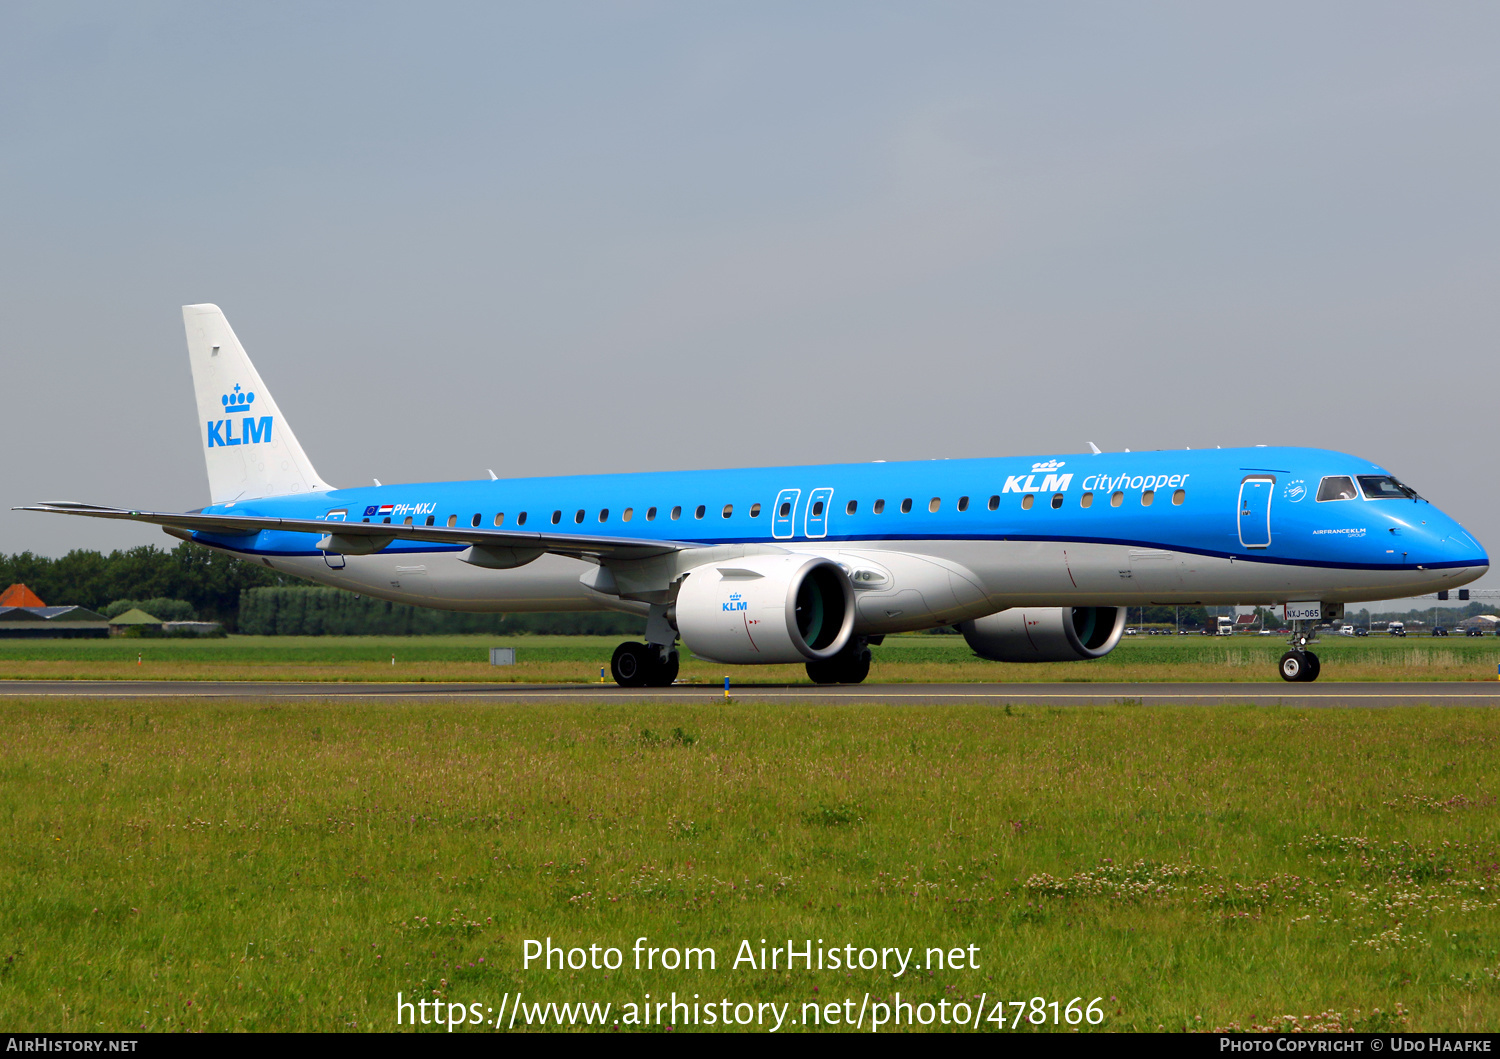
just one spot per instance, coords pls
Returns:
(766, 608)
(1046, 634)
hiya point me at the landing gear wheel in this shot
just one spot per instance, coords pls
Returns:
(663, 674)
(633, 665)
(1299, 667)
(846, 667)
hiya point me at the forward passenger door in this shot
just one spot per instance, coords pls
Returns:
(1255, 510)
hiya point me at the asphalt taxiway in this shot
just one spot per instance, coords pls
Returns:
(1320, 693)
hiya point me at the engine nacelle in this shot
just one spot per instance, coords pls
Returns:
(766, 608)
(1046, 634)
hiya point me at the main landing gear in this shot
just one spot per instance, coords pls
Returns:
(644, 665)
(849, 666)
(652, 664)
(1299, 665)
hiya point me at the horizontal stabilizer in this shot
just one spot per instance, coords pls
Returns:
(578, 545)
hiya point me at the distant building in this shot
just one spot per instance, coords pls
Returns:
(134, 618)
(20, 596)
(138, 622)
(196, 628)
(24, 615)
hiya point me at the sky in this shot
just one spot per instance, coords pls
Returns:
(571, 238)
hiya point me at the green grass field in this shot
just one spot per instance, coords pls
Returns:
(215, 865)
(901, 659)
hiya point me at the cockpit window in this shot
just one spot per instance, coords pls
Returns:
(1340, 487)
(1384, 487)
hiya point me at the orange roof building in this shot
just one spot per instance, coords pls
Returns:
(19, 595)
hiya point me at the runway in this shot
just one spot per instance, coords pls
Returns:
(1306, 695)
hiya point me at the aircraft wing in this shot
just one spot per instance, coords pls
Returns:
(576, 545)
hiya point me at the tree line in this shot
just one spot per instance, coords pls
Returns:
(193, 582)
(210, 581)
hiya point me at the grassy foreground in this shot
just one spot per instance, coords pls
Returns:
(578, 659)
(209, 865)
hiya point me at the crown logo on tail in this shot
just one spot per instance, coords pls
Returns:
(237, 401)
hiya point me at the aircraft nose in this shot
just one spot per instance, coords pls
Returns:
(1458, 546)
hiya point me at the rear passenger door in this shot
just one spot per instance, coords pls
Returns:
(784, 514)
(816, 524)
(334, 560)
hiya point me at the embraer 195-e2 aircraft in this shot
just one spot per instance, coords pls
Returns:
(1033, 558)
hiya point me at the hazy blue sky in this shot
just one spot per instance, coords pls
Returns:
(560, 238)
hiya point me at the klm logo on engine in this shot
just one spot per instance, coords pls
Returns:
(736, 603)
(1052, 482)
(253, 430)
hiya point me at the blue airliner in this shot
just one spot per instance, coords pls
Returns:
(1033, 558)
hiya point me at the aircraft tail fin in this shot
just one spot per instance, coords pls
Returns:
(250, 449)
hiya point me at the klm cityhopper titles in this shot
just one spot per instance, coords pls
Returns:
(1032, 558)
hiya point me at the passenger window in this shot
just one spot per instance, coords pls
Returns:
(935, 503)
(651, 514)
(1057, 499)
(755, 511)
(906, 506)
(1148, 498)
(880, 507)
(786, 508)
(406, 521)
(728, 510)
(1086, 500)
(604, 514)
(578, 518)
(818, 509)
(1339, 487)
(1116, 498)
(521, 519)
(430, 520)
(994, 503)
(556, 517)
(851, 507)
(699, 512)
(474, 522)
(500, 519)
(1027, 501)
(387, 520)
(963, 503)
(676, 513)
(1179, 496)
(453, 520)
(364, 520)
(625, 515)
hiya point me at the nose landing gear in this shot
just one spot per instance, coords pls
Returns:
(1299, 665)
